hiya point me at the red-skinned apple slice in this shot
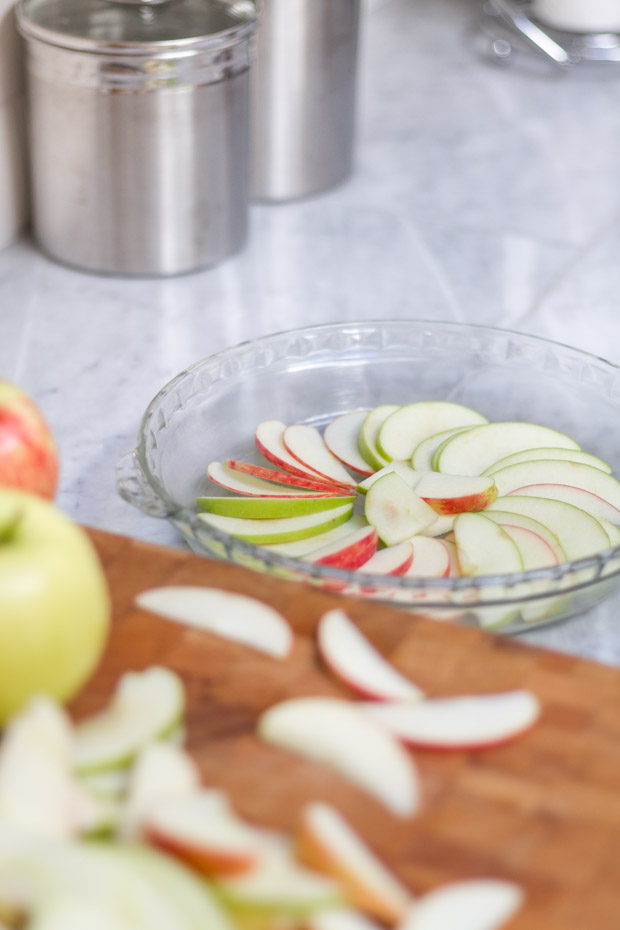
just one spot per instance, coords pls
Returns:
(306, 482)
(459, 723)
(233, 616)
(326, 842)
(579, 533)
(349, 552)
(535, 552)
(482, 904)
(269, 442)
(505, 518)
(585, 500)
(405, 471)
(431, 558)
(412, 423)
(393, 560)
(551, 471)
(396, 510)
(244, 481)
(340, 437)
(303, 547)
(353, 659)
(203, 831)
(453, 559)
(342, 735)
(450, 494)
(307, 446)
(471, 452)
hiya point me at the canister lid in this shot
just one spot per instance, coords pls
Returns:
(137, 25)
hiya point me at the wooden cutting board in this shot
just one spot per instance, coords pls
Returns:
(543, 811)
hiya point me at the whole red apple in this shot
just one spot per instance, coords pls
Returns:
(28, 453)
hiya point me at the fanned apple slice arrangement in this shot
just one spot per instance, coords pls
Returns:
(178, 856)
(443, 492)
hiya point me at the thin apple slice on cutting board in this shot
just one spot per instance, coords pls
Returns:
(471, 452)
(162, 772)
(459, 723)
(478, 904)
(328, 843)
(531, 455)
(232, 616)
(396, 510)
(393, 560)
(404, 430)
(424, 453)
(367, 439)
(281, 529)
(585, 500)
(307, 446)
(269, 508)
(353, 659)
(268, 438)
(145, 706)
(340, 734)
(340, 918)
(303, 547)
(276, 478)
(348, 552)
(431, 558)
(550, 471)
(340, 437)
(256, 484)
(579, 534)
(405, 471)
(451, 494)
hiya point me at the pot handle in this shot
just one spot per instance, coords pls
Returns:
(133, 487)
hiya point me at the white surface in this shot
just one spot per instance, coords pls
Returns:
(482, 193)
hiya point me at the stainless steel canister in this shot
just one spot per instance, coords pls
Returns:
(303, 97)
(139, 130)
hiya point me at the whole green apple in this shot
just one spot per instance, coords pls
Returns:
(28, 453)
(54, 602)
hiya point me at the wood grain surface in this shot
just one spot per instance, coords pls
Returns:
(543, 811)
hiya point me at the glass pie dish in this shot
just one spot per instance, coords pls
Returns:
(312, 375)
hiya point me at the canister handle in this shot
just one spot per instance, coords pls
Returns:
(133, 487)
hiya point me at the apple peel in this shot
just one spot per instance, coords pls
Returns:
(482, 904)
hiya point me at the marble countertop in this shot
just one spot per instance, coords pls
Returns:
(486, 193)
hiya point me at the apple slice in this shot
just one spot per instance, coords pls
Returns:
(303, 547)
(367, 439)
(307, 446)
(580, 534)
(454, 569)
(444, 524)
(530, 455)
(269, 442)
(586, 500)
(339, 733)
(405, 471)
(340, 437)
(341, 918)
(424, 453)
(161, 772)
(241, 482)
(70, 912)
(509, 519)
(145, 706)
(431, 558)
(268, 508)
(396, 510)
(279, 530)
(612, 531)
(550, 471)
(471, 452)
(232, 616)
(408, 426)
(349, 552)
(311, 483)
(326, 842)
(535, 552)
(353, 659)
(483, 547)
(393, 560)
(483, 904)
(450, 494)
(459, 723)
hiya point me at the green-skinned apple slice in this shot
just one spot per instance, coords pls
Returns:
(145, 706)
(307, 446)
(471, 452)
(431, 558)
(483, 547)
(232, 616)
(451, 494)
(396, 510)
(268, 438)
(535, 552)
(403, 470)
(392, 560)
(280, 530)
(612, 531)
(411, 424)
(340, 437)
(302, 547)
(550, 471)
(507, 518)
(424, 453)
(269, 508)
(478, 904)
(530, 455)
(353, 659)
(585, 500)
(367, 439)
(459, 723)
(257, 481)
(338, 733)
(348, 552)
(579, 534)
(328, 843)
